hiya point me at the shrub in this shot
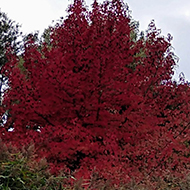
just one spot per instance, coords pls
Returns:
(20, 170)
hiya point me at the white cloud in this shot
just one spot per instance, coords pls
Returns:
(34, 15)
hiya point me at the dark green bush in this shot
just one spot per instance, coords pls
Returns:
(21, 170)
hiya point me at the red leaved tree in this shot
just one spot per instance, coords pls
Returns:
(103, 100)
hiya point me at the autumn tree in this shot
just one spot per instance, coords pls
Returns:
(101, 100)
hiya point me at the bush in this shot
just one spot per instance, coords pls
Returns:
(20, 170)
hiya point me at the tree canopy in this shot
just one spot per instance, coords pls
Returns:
(92, 98)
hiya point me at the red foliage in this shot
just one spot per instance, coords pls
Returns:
(103, 100)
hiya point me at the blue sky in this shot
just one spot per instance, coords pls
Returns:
(171, 16)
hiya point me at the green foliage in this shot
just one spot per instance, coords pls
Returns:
(21, 65)
(20, 170)
(9, 33)
(46, 37)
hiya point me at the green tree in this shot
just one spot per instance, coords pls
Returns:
(9, 34)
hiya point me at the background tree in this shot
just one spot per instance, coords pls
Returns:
(9, 34)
